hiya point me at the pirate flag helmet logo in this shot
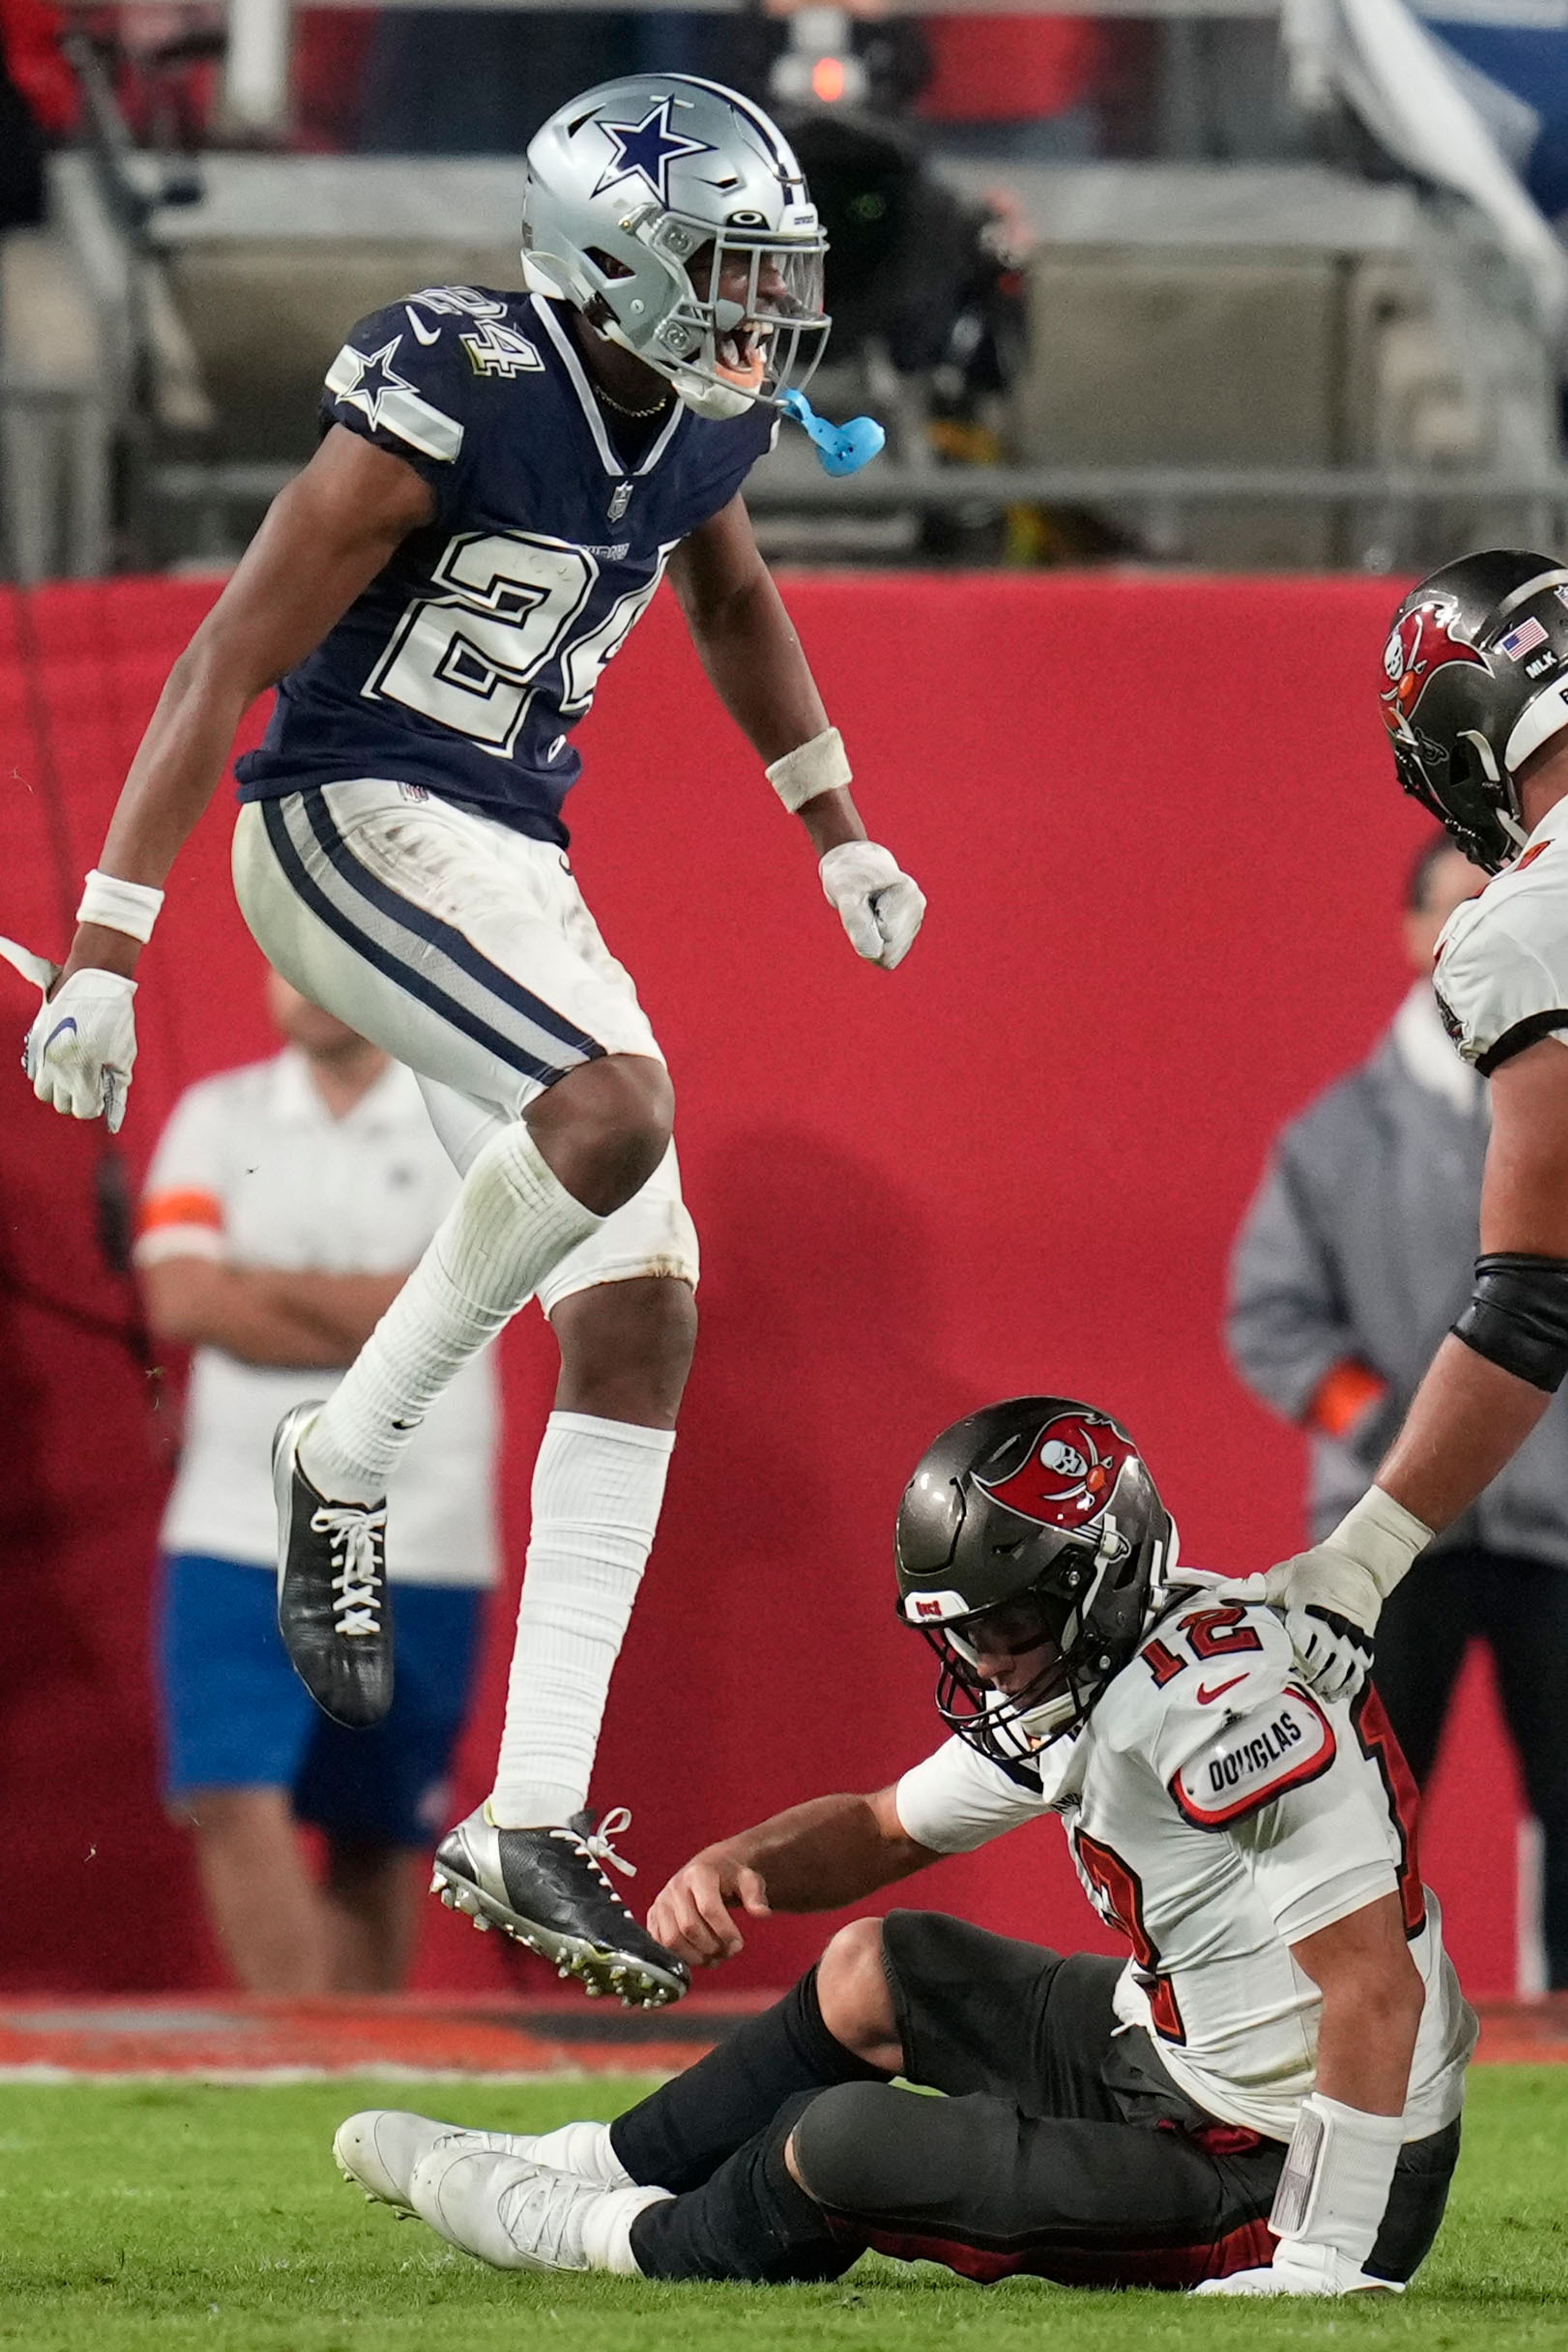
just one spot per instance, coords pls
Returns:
(1068, 1474)
(1420, 644)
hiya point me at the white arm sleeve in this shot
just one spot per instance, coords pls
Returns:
(955, 1800)
(1502, 975)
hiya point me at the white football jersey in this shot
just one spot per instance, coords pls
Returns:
(1501, 973)
(1218, 1814)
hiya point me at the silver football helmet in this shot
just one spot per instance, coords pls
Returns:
(673, 214)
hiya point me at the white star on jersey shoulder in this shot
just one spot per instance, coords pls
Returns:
(372, 384)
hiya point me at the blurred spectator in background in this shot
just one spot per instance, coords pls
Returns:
(37, 96)
(1352, 1261)
(285, 1204)
(1016, 88)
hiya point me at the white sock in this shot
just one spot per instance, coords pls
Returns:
(583, 2149)
(512, 1221)
(597, 1488)
(607, 2229)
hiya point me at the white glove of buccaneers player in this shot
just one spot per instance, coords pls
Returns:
(879, 906)
(81, 1047)
(1332, 1596)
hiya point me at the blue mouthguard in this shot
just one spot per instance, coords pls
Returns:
(841, 449)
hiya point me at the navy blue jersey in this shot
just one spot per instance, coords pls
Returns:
(471, 657)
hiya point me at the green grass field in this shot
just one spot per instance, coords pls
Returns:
(171, 2215)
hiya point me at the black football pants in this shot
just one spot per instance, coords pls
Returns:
(1062, 2147)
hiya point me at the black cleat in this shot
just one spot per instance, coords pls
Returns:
(547, 1889)
(334, 1608)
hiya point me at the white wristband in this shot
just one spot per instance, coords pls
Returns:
(1381, 1536)
(1339, 2168)
(820, 766)
(129, 907)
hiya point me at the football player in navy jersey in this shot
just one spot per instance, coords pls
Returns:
(502, 482)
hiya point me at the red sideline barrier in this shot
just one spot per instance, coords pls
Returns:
(1162, 847)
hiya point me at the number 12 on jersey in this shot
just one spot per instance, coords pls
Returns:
(1211, 1634)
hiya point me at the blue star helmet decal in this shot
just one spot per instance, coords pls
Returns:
(646, 150)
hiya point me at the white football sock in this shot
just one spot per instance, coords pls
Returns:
(512, 1221)
(607, 2229)
(583, 2149)
(597, 1488)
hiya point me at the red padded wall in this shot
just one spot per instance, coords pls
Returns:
(1162, 847)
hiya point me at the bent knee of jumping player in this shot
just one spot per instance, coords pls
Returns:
(855, 1998)
(604, 1126)
(627, 1348)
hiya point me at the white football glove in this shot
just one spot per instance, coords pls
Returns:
(1332, 1596)
(1302, 2270)
(1333, 1649)
(879, 906)
(81, 1048)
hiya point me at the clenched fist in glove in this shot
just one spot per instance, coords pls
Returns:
(81, 1048)
(879, 906)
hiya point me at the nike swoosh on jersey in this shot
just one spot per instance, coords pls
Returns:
(1207, 1698)
(433, 337)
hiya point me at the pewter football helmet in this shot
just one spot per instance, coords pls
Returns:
(1034, 1525)
(672, 213)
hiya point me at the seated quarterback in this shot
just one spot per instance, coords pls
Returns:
(1265, 2099)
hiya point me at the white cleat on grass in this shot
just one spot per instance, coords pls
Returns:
(378, 2150)
(523, 2216)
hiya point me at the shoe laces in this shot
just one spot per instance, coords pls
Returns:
(356, 1536)
(541, 2214)
(596, 1842)
(593, 1843)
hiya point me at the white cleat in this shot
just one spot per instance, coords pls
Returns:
(378, 2149)
(522, 2216)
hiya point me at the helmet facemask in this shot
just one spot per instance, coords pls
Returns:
(744, 320)
(1061, 1616)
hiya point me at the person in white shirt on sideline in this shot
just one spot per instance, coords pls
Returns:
(1264, 2099)
(284, 1206)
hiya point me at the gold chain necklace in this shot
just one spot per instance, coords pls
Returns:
(620, 406)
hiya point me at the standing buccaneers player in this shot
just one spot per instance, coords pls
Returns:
(1474, 697)
(503, 480)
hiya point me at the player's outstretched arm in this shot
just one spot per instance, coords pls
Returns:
(815, 1857)
(748, 647)
(324, 539)
(1488, 1385)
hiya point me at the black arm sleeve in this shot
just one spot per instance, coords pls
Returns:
(1518, 1317)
